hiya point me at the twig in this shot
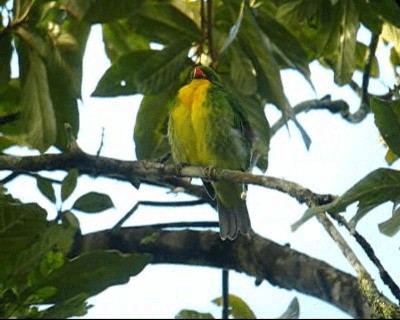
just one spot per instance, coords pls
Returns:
(119, 224)
(385, 276)
(225, 294)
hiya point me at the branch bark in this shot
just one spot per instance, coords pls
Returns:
(256, 256)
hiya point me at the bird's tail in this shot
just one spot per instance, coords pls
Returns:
(233, 219)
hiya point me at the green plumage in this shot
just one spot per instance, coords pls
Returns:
(207, 128)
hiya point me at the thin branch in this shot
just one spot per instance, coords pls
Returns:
(210, 40)
(385, 276)
(119, 224)
(225, 294)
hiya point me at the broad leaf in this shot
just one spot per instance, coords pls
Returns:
(100, 11)
(37, 108)
(69, 183)
(378, 187)
(144, 71)
(93, 202)
(361, 57)
(391, 226)
(387, 119)
(95, 271)
(348, 27)
(150, 132)
(46, 188)
(238, 308)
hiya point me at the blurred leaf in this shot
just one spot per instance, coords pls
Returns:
(379, 186)
(192, 314)
(37, 108)
(120, 39)
(374, 13)
(387, 119)
(46, 188)
(150, 132)
(93, 202)
(293, 310)
(391, 226)
(242, 72)
(69, 183)
(288, 50)
(347, 32)
(20, 225)
(234, 29)
(392, 34)
(144, 71)
(100, 11)
(361, 57)
(95, 271)
(73, 307)
(238, 308)
(390, 156)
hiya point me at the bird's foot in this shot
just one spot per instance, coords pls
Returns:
(209, 172)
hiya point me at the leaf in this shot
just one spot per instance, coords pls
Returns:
(37, 108)
(95, 271)
(361, 56)
(390, 157)
(238, 308)
(192, 314)
(150, 131)
(391, 226)
(46, 188)
(72, 307)
(292, 312)
(143, 71)
(100, 11)
(234, 29)
(69, 184)
(93, 202)
(379, 186)
(387, 119)
(374, 13)
(348, 26)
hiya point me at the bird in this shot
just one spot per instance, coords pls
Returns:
(207, 127)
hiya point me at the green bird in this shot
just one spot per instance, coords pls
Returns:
(207, 128)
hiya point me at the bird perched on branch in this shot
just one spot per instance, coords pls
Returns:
(208, 128)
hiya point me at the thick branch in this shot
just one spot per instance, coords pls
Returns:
(255, 256)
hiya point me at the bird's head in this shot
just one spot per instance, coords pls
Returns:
(203, 72)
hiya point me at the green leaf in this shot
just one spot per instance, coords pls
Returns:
(238, 308)
(72, 307)
(361, 57)
(150, 131)
(390, 156)
(100, 11)
(69, 183)
(192, 314)
(374, 13)
(37, 108)
(95, 271)
(379, 186)
(120, 39)
(391, 226)
(387, 119)
(144, 71)
(93, 202)
(292, 312)
(45, 186)
(347, 32)
(234, 29)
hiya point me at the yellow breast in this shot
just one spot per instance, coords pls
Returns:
(189, 120)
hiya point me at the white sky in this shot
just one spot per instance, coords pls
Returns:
(340, 155)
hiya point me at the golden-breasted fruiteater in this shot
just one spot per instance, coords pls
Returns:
(207, 128)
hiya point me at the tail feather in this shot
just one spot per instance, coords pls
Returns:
(233, 220)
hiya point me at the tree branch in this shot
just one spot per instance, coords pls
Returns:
(254, 255)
